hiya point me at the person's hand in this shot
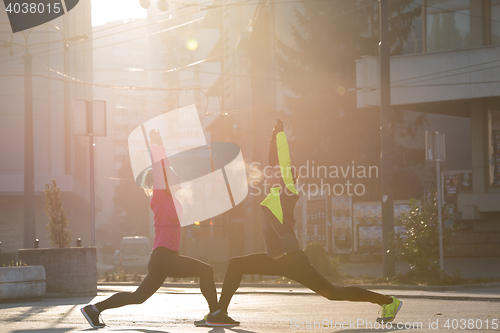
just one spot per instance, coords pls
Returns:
(279, 127)
(155, 138)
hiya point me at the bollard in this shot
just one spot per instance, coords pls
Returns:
(36, 243)
(1, 262)
(79, 242)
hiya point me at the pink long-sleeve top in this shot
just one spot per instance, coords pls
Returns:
(166, 208)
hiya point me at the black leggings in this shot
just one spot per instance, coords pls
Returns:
(165, 263)
(297, 267)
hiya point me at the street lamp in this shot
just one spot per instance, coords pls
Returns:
(29, 168)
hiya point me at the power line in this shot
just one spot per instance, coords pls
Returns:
(180, 25)
(98, 47)
(123, 31)
(370, 4)
(122, 24)
(447, 71)
(235, 4)
(158, 71)
(68, 78)
(203, 60)
(411, 84)
(71, 79)
(450, 84)
(265, 39)
(163, 30)
(455, 11)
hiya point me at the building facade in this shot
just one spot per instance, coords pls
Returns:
(451, 68)
(61, 57)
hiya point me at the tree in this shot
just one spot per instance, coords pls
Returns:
(418, 245)
(319, 70)
(59, 234)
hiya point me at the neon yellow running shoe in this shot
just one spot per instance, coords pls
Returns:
(389, 311)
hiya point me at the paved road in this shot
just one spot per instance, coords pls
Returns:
(275, 310)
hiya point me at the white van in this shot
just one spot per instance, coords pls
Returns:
(135, 252)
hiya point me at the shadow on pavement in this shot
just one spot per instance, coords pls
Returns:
(42, 302)
(144, 330)
(32, 311)
(47, 330)
(223, 329)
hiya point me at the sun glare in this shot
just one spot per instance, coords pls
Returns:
(192, 44)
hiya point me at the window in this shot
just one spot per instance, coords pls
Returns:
(448, 24)
(495, 22)
(413, 43)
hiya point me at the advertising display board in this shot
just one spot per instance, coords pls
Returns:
(342, 223)
(368, 224)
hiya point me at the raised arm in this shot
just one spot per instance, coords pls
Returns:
(279, 154)
(159, 162)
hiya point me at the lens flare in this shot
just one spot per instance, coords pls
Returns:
(192, 44)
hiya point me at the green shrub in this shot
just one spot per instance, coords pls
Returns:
(418, 245)
(15, 264)
(137, 277)
(121, 276)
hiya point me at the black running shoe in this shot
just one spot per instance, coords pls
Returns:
(92, 317)
(221, 319)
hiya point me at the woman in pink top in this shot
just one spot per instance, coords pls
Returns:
(161, 182)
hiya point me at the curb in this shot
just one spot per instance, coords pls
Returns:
(311, 293)
(290, 292)
(296, 285)
(429, 288)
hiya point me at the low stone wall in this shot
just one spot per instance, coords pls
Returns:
(69, 271)
(22, 282)
(469, 244)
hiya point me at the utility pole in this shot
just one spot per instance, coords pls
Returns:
(435, 151)
(90, 122)
(386, 177)
(89, 119)
(29, 161)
